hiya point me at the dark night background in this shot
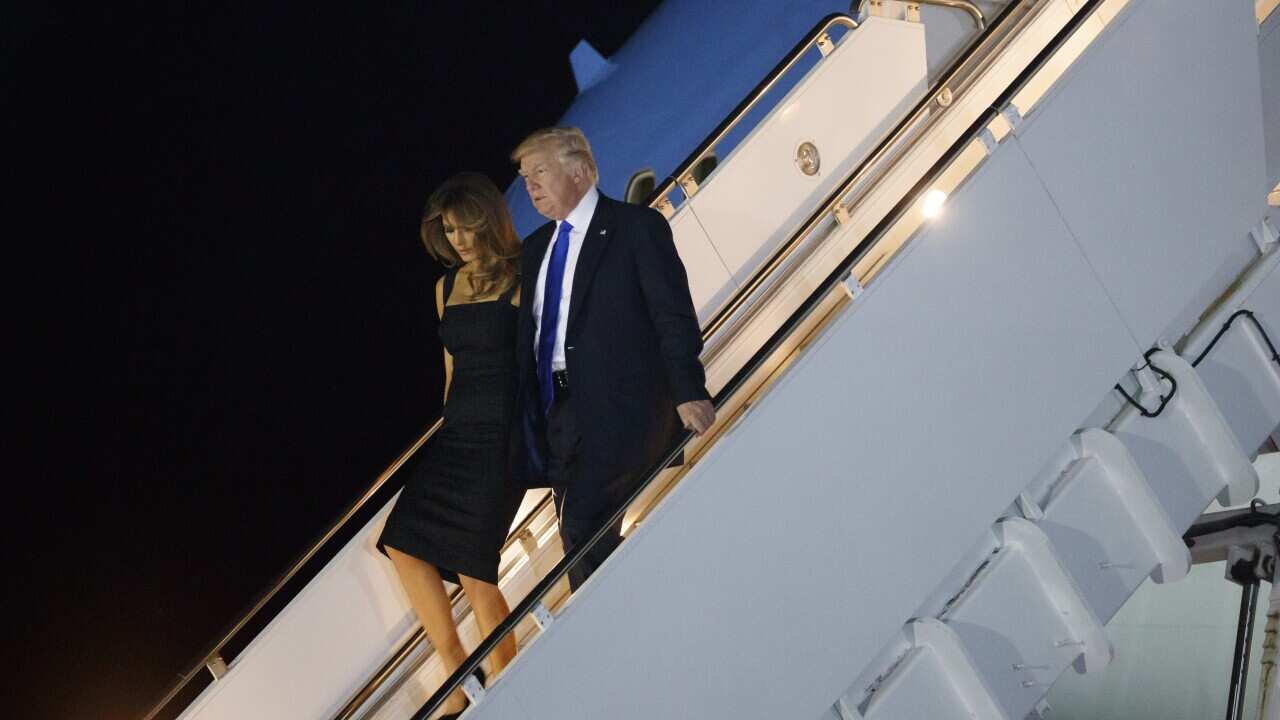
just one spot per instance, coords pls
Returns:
(220, 311)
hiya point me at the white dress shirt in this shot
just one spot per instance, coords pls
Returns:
(580, 220)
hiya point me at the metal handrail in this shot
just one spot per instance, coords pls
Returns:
(830, 284)
(973, 10)
(683, 174)
(213, 658)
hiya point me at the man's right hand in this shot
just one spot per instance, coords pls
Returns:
(697, 415)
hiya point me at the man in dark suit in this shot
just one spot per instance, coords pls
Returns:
(608, 342)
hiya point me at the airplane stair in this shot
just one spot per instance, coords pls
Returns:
(966, 409)
(937, 507)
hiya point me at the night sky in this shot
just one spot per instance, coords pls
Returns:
(221, 315)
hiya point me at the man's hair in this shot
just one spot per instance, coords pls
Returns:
(476, 204)
(568, 144)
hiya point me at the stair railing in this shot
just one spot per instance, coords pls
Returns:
(532, 605)
(214, 661)
(819, 37)
(973, 10)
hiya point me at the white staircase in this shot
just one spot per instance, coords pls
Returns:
(932, 500)
(936, 508)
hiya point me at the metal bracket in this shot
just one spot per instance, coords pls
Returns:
(1013, 116)
(1029, 508)
(851, 286)
(472, 688)
(542, 617)
(988, 140)
(1244, 564)
(825, 44)
(1235, 543)
(217, 667)
(1264, 234)
(847, 711)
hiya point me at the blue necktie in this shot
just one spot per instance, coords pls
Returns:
(551, 292)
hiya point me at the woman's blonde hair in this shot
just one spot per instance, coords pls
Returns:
(475, 204)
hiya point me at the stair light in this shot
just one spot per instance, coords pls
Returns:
(933, 202)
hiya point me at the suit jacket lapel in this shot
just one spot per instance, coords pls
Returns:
(599, 232)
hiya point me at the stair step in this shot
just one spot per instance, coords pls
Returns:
(1105, 523)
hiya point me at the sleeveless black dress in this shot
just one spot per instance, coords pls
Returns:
(458, 504)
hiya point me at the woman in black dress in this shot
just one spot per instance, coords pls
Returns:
(457, 505)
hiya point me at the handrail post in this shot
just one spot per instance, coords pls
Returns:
(217, 666)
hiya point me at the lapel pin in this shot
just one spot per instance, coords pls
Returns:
(603, 231)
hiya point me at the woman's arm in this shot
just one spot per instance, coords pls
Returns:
(448, 359)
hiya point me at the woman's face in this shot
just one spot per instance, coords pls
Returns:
(462, 239)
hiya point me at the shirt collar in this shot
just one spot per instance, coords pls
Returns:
(580, 216)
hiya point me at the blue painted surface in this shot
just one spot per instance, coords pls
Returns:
(683, 70)
(589, 66)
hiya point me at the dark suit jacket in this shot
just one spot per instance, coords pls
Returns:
(631, 345)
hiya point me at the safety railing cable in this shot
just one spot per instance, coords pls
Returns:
(533, 601)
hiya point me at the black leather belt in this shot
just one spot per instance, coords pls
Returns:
(560, 379)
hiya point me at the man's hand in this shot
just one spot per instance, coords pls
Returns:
(697, 415)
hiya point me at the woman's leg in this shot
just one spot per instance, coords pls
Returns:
(425, 588)
(491, 609)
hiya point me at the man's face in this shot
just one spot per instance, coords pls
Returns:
(554, 189)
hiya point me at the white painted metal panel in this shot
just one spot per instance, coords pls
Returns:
(935, 386)
(319, 650)
(1150, 148)
(1269, 62)
(709, 280)
(758, 195)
